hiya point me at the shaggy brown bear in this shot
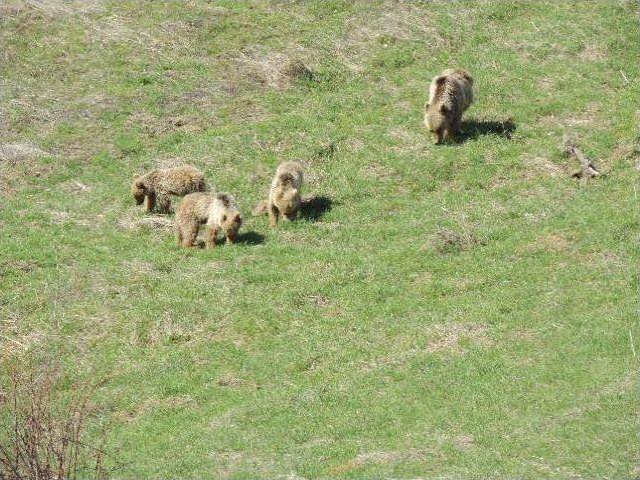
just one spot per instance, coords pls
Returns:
(450, 94)
(158, 185)
(284, 196)
(218, 210)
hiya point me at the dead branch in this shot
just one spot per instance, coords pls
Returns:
(587, 168)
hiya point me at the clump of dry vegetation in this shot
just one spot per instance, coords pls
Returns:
(133, 222)
(453, 337)
(272, 69)
(450, 241)
(17, 152)
(42, 431)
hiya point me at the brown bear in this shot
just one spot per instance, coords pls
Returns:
(218, 210)
(158, 185)
(284, 196)
(450, 94)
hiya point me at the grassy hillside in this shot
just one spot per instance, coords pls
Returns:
(450, 311)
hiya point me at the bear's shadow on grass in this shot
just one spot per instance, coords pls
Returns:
(247, 238)
(314, 208)
(472, 129)
(250, 238)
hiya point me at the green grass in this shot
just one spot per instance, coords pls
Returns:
(460, 311)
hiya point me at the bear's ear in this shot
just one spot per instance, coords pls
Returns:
(139, 184)
(236, 219)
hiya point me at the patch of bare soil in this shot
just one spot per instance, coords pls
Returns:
(540, 166)
(463, 442)
(66, 7)
(396, 21)
(450, 337)
(155, 126)
(18, 163)
(453, 338)
(386, 457)
(13, 153)
(553, 242)
(593, 53)
(277, 70)
(132, 221)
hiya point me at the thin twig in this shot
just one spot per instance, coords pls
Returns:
(624, 77)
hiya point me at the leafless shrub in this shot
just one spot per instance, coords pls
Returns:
(42, 432)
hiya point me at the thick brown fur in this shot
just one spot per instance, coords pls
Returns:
(218, 210)
(158, 185)
(284, 196)
(450, 94)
